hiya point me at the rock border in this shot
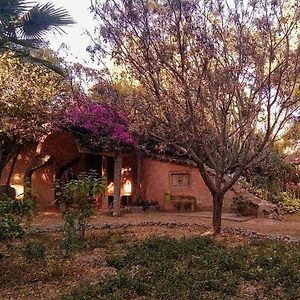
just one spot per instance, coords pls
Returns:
(232, 230)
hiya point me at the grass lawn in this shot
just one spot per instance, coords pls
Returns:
(199, 268)
(129, 264)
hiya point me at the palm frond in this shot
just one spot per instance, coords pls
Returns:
(10, 9)
(23, 27)
(43, 18)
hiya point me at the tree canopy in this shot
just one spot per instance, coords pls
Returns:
(30, 96)
(219, 79)
(98, 126)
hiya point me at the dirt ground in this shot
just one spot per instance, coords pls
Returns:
(58, 275)
(290, 225)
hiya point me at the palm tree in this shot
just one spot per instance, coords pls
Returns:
(23, 27)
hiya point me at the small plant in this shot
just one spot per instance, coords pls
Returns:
(71, 241)
(71, 244)
(79, 196)
(26, 209)
(10, 228)
(287, 201)
(34, 251)
(10, 220)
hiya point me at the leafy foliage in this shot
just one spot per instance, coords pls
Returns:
(272, 174)
(10, 221)
(287, 201)
(34, 251)
(98, 126)
(78, 198)
(218, 79)
(30, 96)
(23, 26)
(275, 180)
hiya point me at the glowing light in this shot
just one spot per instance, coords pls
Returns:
(110, 188)
(127, 188)
(125, 170)
(19, 190)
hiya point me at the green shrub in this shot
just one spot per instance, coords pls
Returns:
(26, 209)
(71, 241)
(79, 196)
(71, 244)
(10, 220)
(10, 228)
(34, 251)
(287, 202)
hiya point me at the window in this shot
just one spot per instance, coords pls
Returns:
(180, 179)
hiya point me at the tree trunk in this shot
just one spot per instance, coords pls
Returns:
(217, 212)
(12, 167)
(117, 184)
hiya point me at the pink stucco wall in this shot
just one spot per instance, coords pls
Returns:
(24, 161)
(42, 187)
(156, 182)
(155, 175)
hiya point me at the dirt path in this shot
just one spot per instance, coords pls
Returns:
(263, 226)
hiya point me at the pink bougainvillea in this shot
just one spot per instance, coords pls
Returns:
(99, 119)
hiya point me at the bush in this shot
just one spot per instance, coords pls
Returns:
(10, 220)
(71, 241)
(272, 173)
(287, 202)
(10, 228)
(79, 196)
(71, 244)
(34, 251)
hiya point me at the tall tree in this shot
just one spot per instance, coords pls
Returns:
(30, 96)
(219, 77)
(23, 27)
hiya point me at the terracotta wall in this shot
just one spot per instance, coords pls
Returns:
(62, 147)
(24, 161)
(43, 184)
(155, 178)
(157, 182)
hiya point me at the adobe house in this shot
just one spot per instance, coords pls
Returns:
(169, 181)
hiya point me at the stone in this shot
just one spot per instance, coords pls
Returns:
(246, 204)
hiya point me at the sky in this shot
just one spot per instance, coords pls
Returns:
(74, 37)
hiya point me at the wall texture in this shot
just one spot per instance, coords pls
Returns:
(157, 182)
(156, 178)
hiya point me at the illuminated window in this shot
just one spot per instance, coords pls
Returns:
(180, 178)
